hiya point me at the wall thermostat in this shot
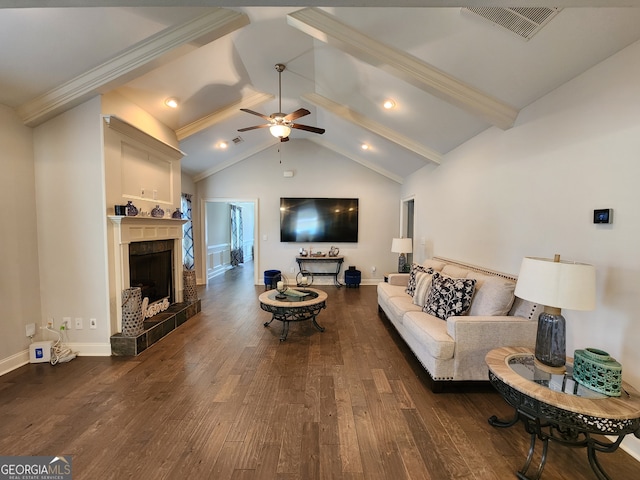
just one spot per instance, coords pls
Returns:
(603, 215)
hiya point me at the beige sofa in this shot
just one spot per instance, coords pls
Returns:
(453, 349)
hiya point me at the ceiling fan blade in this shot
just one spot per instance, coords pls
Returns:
(255, 113)
(246, 129)
(308, 128)
(301, 112)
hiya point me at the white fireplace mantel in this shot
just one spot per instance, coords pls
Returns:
(127, 230)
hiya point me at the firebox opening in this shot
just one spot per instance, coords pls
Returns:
(150, 268)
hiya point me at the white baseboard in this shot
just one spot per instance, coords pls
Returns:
(81, 349)
(14, 361)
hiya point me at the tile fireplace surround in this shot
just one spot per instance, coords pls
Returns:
(127, 230)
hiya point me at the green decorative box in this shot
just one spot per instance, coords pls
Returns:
(596, 370)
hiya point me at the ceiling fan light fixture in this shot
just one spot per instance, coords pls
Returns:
(280, 131)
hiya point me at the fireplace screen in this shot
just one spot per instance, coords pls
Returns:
(150, 268)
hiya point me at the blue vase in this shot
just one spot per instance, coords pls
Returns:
(157, 212)
(132, 211)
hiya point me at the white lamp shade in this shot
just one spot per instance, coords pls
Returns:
(279, 131)
(402, 245)
(557, 284)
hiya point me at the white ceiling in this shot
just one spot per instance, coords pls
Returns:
(48, 52)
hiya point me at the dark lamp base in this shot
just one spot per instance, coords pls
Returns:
(551, 340)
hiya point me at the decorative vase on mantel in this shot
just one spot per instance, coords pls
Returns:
(176, 214)
(157, 212)
(131, 209)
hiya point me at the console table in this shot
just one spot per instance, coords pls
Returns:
(312, 261)
(555, 407)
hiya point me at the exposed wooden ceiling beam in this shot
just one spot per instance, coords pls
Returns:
(326, 28)
(223, 114)
(132, 62)
(360, 120)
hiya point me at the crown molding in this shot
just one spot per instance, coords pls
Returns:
(326, 28)
(224, 113)
(131, 62)
(360, 120)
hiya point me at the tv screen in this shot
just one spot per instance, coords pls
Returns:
(316, 220)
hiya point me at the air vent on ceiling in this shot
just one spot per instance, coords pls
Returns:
(237, 140)
(523, 21)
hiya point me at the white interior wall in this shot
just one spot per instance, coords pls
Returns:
(70, 199)
(531, 191)
(318, 173)
(19, 280)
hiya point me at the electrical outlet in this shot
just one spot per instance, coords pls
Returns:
(373, 269)
(93, 324)
(78, 323)
(66, 323)
(155, 194)
(292, 270)
(142, 192)
(30, 330)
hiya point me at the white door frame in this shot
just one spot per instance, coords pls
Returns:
(203, 231)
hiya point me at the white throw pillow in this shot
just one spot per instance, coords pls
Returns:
(421, 293)
(493, 295)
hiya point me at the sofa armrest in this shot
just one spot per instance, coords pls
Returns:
(400, 279)
(493, 330)
(475, 336)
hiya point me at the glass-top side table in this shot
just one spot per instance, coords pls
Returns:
(554, 407)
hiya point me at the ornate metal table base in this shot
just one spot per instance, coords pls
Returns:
(293, 314)
(545, 422)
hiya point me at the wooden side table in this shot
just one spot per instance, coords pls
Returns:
(555, 407)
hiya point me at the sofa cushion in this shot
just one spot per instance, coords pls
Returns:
(386, 291)
(449, 296)
(431, 332)
(493, 295)
(415, 268)
(437, 265)
(423, 283)
(454, 271)
(398, 306)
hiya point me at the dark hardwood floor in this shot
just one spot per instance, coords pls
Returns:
(222, 398)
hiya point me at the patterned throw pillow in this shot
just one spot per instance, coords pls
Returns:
(449, 296)
(415, 268)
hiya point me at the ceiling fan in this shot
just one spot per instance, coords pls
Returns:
(280, 124)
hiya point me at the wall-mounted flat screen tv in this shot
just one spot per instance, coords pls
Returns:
(316, 220)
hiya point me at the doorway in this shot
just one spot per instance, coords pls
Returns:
(406, 224)
(220, 252)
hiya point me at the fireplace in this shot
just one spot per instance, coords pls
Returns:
(145, 252)
(151, 269)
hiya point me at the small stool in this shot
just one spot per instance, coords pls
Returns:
(352, 278)
(271, 277)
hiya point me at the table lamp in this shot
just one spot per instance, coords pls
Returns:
(556, 285)
(402, 246)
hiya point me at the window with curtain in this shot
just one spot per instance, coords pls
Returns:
(188, 259)
(237, 254)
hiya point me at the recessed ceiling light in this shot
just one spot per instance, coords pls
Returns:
(171, 102)
(223, 145)
(389, 104)
(364, 146)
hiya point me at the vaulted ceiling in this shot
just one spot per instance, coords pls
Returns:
(451, 73)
